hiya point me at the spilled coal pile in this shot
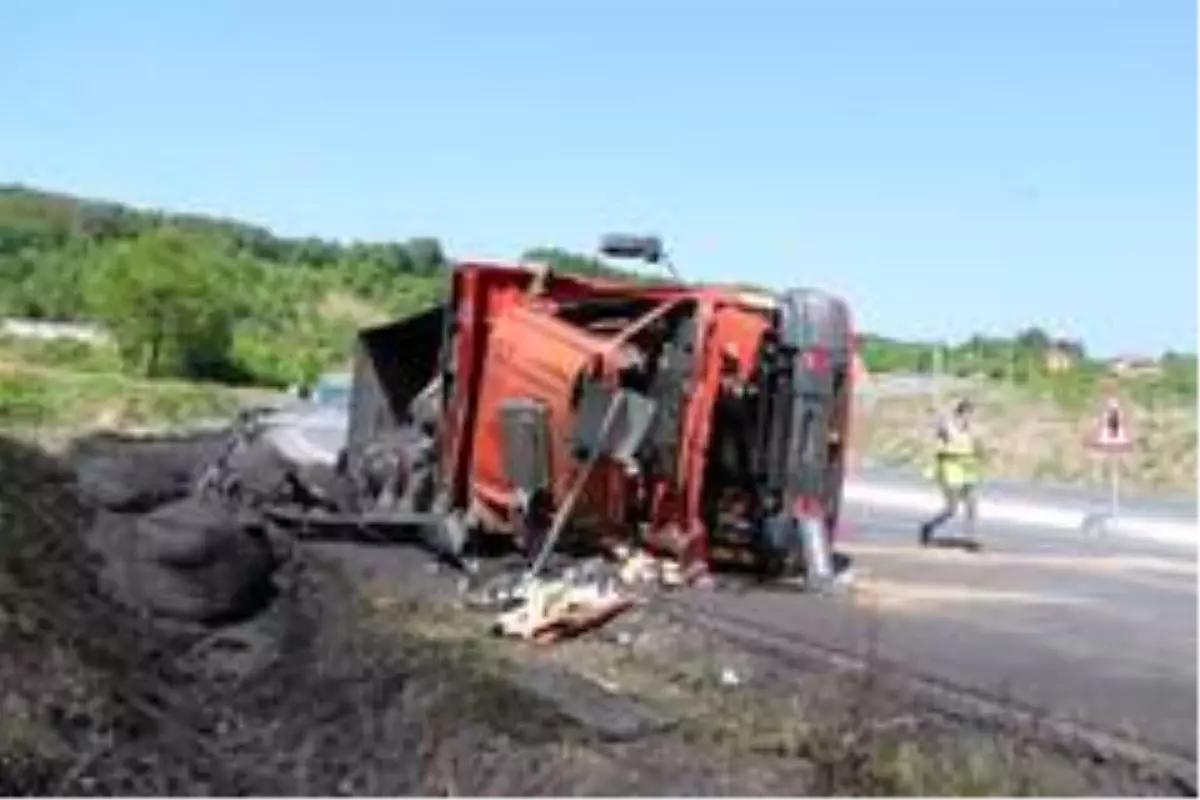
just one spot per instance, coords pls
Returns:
(294, 698)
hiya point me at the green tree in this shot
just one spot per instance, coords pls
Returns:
(425, 255)
(1034, 340)
(882, 354)
(53, 288)
(166, 296)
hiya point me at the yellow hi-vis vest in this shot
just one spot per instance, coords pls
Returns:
(957, 456)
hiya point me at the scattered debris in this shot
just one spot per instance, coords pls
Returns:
(639, 567)
(730, 678)
(582, 597)
(553, 609)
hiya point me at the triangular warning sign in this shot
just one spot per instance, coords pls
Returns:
(1112, 426)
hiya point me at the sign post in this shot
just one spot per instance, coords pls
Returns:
(1111, 438)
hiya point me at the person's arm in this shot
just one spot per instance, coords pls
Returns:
(942, 438)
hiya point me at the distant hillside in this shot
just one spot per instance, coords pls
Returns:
(44, 235)
(281, 308)
(40, 220)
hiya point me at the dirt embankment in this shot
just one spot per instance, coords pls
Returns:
(1031, 438)
(307, 696)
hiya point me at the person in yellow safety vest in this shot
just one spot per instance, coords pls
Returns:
(956, 470)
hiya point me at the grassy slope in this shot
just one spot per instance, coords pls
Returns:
(51, 391)
(1035, 438)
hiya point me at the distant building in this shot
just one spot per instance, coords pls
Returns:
(1059, 360)
(1133, 366)
(47, 330)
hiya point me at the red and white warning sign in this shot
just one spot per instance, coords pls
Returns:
(1112, 427)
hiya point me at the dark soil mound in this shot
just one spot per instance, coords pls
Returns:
(301, 698)
(136, 474)
(165, 548)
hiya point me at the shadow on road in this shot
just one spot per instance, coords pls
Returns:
(960, 543)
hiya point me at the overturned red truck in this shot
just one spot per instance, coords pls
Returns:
(537, 408)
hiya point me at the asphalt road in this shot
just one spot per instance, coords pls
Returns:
(1101, 631)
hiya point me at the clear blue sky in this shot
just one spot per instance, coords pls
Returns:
(949, 166)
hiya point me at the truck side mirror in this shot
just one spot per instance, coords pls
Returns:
(623, 245)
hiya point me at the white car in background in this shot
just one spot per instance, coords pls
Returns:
(332, 390)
